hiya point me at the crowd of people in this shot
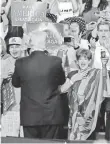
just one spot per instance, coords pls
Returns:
(61, 93)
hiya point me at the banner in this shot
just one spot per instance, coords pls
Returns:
(54, 32)
(22, 12)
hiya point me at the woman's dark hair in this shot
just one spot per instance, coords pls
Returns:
(102, 5)
(83, 52)
(88, 5)
(90, 36)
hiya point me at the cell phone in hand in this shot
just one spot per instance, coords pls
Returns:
(103, 54)
(67, 39)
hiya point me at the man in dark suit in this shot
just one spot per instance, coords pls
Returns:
(39, 77)
(107, 109)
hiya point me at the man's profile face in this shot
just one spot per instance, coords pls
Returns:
(104, 32)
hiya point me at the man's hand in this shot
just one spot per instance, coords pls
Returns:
(79, 76)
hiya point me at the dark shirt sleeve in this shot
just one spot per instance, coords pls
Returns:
(60, 74)
(62, 77)
(16, 77)
(71, 74)
(107, 108)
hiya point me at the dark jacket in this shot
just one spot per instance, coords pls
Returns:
(107, 107)
(39, 76)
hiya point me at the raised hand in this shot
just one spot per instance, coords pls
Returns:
(104, 61)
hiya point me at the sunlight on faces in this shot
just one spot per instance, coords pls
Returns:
(15, 51)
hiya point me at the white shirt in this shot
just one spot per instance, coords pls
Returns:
(97, 56)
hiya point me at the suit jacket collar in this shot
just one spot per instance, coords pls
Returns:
(37, 52)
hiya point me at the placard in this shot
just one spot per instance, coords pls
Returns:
(8, 95)
(54, 32)
(22, 12)
(54, 38)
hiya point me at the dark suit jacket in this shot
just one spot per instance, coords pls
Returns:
(39, 76)
(107, 107)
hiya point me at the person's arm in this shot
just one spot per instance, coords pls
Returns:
(16, 77)
(7, 7)
(69, 82)
(75, 5)
(104, 68)
(64, 88)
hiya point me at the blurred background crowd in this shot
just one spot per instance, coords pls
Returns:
(86, 25)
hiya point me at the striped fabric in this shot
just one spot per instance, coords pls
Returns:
(86, 96)
(79, 20)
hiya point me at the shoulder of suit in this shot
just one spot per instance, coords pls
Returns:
(20, 60)
(56, 59)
